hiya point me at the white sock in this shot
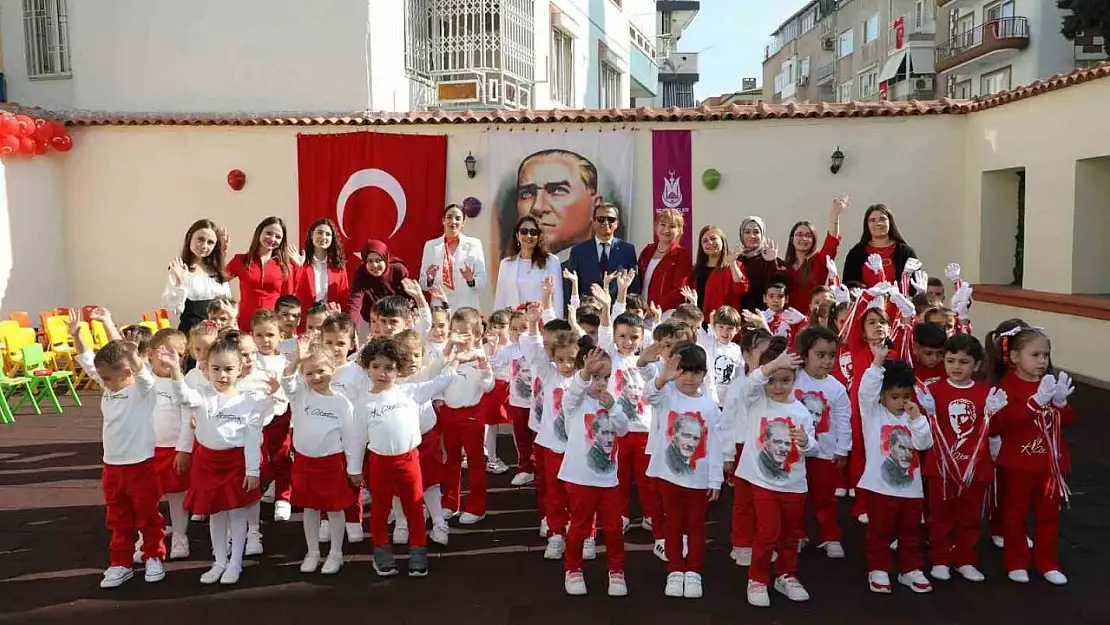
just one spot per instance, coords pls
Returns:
(337, 528)
(217, 531)
(238, 536)
(433, 498)
(491, 443)
(311, 521)
(399, 518)
(179, 518)
(254, 516)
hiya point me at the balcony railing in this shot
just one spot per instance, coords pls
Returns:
(825, 72)
(1007, 33)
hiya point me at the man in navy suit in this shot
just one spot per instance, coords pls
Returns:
(602, 254)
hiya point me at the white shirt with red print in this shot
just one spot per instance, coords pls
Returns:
(828, 404)
(892, 443)
(592, 433)
(686, 439)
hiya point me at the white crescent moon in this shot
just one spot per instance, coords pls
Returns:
(366, 178)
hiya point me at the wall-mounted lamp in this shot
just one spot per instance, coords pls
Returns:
(837, 160)
(471, 165)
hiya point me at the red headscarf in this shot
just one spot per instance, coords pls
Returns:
(367, 289)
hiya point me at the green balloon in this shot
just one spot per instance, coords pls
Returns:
(711, 178)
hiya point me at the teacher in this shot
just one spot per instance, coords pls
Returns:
(665, 265)
(880, 236)
(265, 272)
(521, 274)
(323, 275)
(455, 262)
(198, 276)
(380, 275)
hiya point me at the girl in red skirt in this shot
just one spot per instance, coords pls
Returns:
(321, 420)
(226, 457)
(495, 403)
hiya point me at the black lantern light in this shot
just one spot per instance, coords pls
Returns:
(837, 160)
(471, 165)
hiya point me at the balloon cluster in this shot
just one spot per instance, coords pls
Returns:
(22, 134)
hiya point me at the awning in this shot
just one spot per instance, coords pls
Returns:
(893, 66)
(921, 61)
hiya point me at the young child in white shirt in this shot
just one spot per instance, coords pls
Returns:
(493, 405)
(725, 357)
(277, 464)
(351, 381)
(589, 471)
(321, 420)
(894, 432)
(287, 309)
(520, 402)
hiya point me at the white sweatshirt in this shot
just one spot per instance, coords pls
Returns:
(320, 422)
(770, 458)
(351, 381)
(227, 422)
(501, 362)
(828, 404)
(686, 438)
(626, 384)
(592, 432)
(170, 412)
(469, 383)
(892, 443)
(388, 423)
(551, 389)
(128, 429)
(726, 362)
(270, 367)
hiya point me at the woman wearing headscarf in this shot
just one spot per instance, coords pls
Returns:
(760, 257)
(379, 275)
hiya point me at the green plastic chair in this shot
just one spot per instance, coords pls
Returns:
(43, 379)
(22, 386)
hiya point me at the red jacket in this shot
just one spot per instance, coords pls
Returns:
(339, 291)
(1024, 445)
(961, 421)
(722, 290)
(799, 290)
(671, 274)
(259, 287)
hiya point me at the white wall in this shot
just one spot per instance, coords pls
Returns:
(34, 274)
(51, 94)
(590, 21)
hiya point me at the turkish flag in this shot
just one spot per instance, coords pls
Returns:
(390, 187)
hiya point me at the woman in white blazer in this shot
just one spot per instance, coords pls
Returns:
(520, 275)
(455, 262)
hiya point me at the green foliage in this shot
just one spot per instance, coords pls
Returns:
(1086, 17)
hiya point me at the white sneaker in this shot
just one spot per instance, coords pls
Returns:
(851, 492)
(833, 549)
(213, 575)
(660, 550)
(230, 576)
(543, 527)
(1056, 578)
(894, 545)
(400, 534)
(574, 583)
(115, 576)
(523, 479)
(863, 518)
(332, 564)
(556, 545)
(310, 563)
(355, 533)
(589, 549)
(137, 556)
(685, 546)
(440, 534)
(742, 556)
(998, 541)
(467, 518)
(618, 586)
(496, 467)
(757, 594)
(179, 547)
(941, 572)
(324, 535)
(626, 524)
(789, 586)
(1020, 576)
(692, 585)
(676, 584)
(268, 496)
(970, 573)
(916, 581)
(155, 571)
(879, 581)
(841, 492)
(646, 523)
(254, 543)
(282, 511)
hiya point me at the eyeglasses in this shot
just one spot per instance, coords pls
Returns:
(529, 232)
(602, 219)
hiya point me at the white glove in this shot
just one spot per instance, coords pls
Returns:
(792, 316)
(1064, 388)
(926, 400)
(961, 301)
(952, 271)
(882, 288)
(996, 400)
(875, 263)
(768, 315)
(905, 306)
(913, 265)
(830, 264)
(855, 293)
(994, 445)
(841, 294)
(919, 280)
(783, 330)
(1046, 391)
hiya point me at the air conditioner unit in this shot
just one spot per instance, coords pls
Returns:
(803, 81)
(828, 43)
(923, 83)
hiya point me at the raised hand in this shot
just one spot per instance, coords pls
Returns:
(841, 294)
(222, 237)
(670, 368)
(920, 281)
(548, 285)
(333, 308)
(690, 295)
(912, 265)
(624, 278)
(830, 265)
(652, 352)
(770, 250)
(996, 401)
(882, 288)
(913, 410)
(1046, 390)
(799, 437)
(177, 271)
(304, 346)
(570, 275)
(411, 287)
(654, 312)
(875, 264)
(880, 351)
(100, 314)
(952, 271)
(595, 362)
(607, 278)
(433, 271)
(840, 203)
(437, 293)
(74, 322)
(926, 400)
(792, 316)
(1064, 388)
(602, 294)
(467, 273)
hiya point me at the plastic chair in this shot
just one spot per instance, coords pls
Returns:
(146, 317)
(43, 379)
(99, 334)
(60, 343)
(86, 313)
(14, 345)
(21, 317)
(150, 325)
(22, 386)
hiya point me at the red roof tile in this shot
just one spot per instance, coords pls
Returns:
(733, 112)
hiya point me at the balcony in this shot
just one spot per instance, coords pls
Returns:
(912, 31)
(989, 43)
(826, 73)
(642, 65)
(676, 15)
(679, 67)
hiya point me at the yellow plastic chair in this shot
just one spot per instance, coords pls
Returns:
(62, 353)
(163, 323)
(13, 348)
(8, 326)
(150, 325)
(99, 335)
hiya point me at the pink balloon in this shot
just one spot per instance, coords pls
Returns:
(26, 125)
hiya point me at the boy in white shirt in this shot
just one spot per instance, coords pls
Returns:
(725, 357)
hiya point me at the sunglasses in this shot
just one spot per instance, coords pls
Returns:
(529, 232)
(606, 220)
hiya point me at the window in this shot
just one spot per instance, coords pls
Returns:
(965, 29)
(844, 92)
(610, 86)
(803, 71)
(871, 28)
(46, 38)
(998, 10)
(562, 68)
(809, 20)
(962, 91)
(995, 82)
(869, 83)
(845, 44)
(680, 94)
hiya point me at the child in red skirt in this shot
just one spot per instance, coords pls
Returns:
(129, 480)
(226, 457)
(494, 403)
(322, 420)
(351, 381)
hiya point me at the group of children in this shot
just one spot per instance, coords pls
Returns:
(876, 393)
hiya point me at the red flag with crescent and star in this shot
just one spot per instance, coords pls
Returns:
(390, 187)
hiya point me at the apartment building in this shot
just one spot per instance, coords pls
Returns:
(678, 70)
(989, 46)
(839, 51)
(749, 93)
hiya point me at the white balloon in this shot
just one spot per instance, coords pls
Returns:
(367, 178)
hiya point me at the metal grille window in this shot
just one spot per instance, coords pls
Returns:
(610, 78)
(680, 94)
(46, 38)
(562, 67)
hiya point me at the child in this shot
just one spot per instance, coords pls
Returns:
(687, 461)
(894, 431)
(321, 421)
(201, 338)
(828, 404)
(753, 344)
(314, 319)
(223, 311)
(777, 433)
(351, 381)
(129, 478)
(589, 471)
(928, 352)
(1033, 461)
(725, 355)
(520, 401)
(226, 457)
(276, 461)
(500, 351)
(936, 288)
(287, 308)
(958, 467)
(781, 321)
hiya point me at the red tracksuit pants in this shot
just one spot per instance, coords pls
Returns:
(954, 523)
(743, 511)
(396, 476)
(685, 510)
(823, 478)
(778, 519)
(555, 497)
(892, 518)
(462, 429)
(353, 514)
(131, 494)
(1024, 492)
(632, 462)
(524, 438)
(590, 505)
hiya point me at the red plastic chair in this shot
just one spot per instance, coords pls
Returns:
(21, 317)
(86, 313)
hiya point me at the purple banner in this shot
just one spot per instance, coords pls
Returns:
(672, 185)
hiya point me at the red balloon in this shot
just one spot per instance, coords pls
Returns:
(8, 124)
(43, 131)
(26, 145)
(26, 125)
(57, 128)
(63, 143)
(8, 144)
(40, 147)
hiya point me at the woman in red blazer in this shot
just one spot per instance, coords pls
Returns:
(322, 277)
(665, 266)
(720, 271)
(265, 272)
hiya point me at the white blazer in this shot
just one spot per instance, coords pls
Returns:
(468, 252)
(513, 279)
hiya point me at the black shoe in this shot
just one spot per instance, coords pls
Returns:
(384, 564)
(418, 562)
